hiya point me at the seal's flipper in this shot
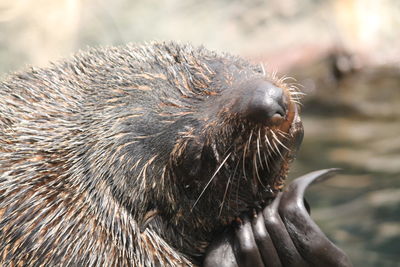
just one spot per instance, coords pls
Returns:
(308, 238)
(220, 252)
(283, 243)
(245, 246)
(282, 234)
(264, 242)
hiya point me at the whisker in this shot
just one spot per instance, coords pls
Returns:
(295, 86)
(249, 141)
(256, 170)
(227, 186)
(238, 183)
(269, 152)
(277, 149)
(269, 145)
(274, 73)
(286, 78)
(293, 93)
(258, 149)
(277, 139)
(209, 182)
(244, 161)
(266, 161)
(283, 134)
(246, 147)
(263, 69)
(272, 146)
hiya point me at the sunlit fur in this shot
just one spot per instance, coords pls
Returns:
(132, 156)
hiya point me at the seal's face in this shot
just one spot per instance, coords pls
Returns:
(240, 157)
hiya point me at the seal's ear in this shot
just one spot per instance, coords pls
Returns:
(147, 218)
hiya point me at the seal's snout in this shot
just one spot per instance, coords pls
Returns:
(264, 102)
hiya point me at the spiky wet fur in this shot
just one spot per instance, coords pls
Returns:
(113, 158)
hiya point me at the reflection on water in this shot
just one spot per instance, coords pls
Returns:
(360, 208)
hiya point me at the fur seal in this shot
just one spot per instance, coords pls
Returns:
(138, 155)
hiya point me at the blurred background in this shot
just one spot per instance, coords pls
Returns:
(345, 54)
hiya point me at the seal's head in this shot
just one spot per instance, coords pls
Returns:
(236, 154)
(138, 150)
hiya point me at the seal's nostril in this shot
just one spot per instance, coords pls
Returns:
(265, 101)
(279, 112)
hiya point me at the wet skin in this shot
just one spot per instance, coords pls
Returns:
(282, 234)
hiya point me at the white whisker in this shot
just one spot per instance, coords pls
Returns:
(209, 182)
(256, 170)
(266, 161)
(283, 134)
(296, 94)
(269, 145)
(226, 188)
(277, 149)
(258, 149)
(277, 139)
(263, 69)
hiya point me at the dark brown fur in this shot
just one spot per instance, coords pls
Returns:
(105, 159)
